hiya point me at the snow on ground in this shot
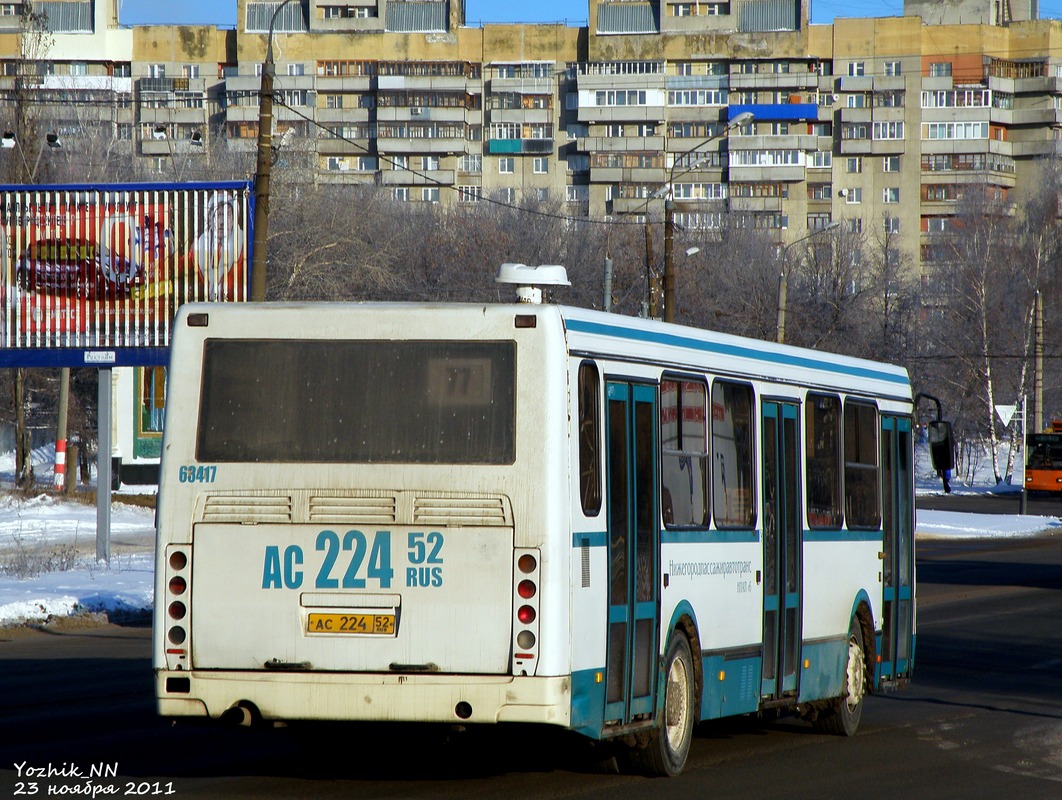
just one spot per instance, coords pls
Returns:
(48, 566)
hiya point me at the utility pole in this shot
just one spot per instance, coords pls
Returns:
(262, 170)
(1038, 363)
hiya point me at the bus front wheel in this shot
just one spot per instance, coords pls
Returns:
(665, 750)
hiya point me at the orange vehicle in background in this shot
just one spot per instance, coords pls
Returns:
(1043, 466)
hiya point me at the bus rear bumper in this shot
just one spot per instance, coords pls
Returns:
(365, 697)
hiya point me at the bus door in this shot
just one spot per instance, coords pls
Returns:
(898, 549)
(633, 542)
(782, 544)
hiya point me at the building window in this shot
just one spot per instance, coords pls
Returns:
(470, 163)
(856, 68)
(940, 69)
(892, 224)
(578, 163)
(888, 130)
(157, 70)
(858, 100)
(891, 164)
(400, 194)
(620, 97)
(821, 159)
(819, 191)
(333, 101)
(890, 195)
(577, 193)
(540, 166)
(400, 162)
(295, 70)
(854, 195)
(506, 166)
(892, 69)
(430, 194)
(429, 163)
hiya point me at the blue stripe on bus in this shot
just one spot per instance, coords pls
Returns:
(716, 536)
(842, 535)
(600, 538)
(590, 539)
(737, 351)
(709, 536)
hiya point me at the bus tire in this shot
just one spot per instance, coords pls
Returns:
(842, 717)
(665, 750)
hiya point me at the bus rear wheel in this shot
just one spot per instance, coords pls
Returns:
(665, 750)
(842, 718)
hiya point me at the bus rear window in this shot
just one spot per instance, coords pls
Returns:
(328, 401)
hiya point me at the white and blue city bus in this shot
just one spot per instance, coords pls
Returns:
(480, 513)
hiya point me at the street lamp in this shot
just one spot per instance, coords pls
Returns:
(261, 182)
(783, 278)
(744, 118)
(10, 142)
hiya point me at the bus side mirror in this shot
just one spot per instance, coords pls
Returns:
(941, 446)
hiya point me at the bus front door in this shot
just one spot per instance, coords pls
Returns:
(782, 543)
(897, 645)
(633, 539)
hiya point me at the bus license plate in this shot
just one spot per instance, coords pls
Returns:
(379, 624)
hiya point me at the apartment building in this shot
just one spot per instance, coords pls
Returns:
(874, 123)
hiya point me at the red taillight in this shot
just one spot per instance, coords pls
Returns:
(527, 589)
(177, 609)
(527, 563)
(177, 585)
(526, 615)
(178, 560)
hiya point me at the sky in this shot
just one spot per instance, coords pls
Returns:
(43, 533)
(223, 12)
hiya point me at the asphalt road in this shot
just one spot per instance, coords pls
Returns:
(982, 720)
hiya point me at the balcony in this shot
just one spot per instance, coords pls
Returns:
(421, 145)
(619, 144)
(621, 114)
(754, 204)
(520, 146)
(791, 141)
(777, 112)
(437, 83)
(767, 174)
(773, 81)
(404, 177)
(346, 83)
(616, 175)
(523, 85)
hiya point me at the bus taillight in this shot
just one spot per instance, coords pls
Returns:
(177, 607)
(525, 612)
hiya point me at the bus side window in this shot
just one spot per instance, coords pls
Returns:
(684, 453)
(822, 427)
(862, 500)
(733, 455)
(589, 439)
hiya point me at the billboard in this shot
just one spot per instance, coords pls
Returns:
(93, 275)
